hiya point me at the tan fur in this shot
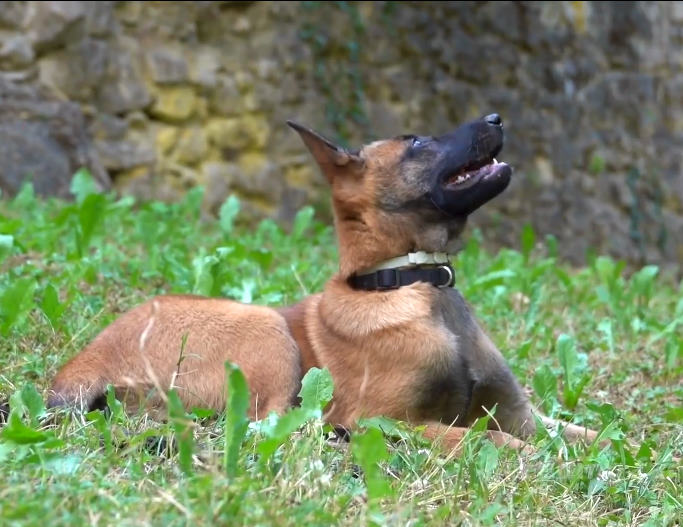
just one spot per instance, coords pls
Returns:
(380, 347)
(380, 380)
(144, 348)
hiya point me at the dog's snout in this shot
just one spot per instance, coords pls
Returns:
(494, 119)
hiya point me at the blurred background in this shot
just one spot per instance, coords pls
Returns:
(155, 98)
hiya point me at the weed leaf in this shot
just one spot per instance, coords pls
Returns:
(227, 214)
(544, 383)
(369, 450)
(236, 421)
(15, 303)
(82, 185)
(183, 428)
(316, 390)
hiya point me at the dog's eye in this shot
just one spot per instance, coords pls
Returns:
(417, 141)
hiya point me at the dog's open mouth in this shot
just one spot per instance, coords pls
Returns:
(468, 174)
(472, 175)
(462, 192)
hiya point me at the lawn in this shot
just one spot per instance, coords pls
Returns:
(594, 345)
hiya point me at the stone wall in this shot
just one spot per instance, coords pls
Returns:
(156, 97)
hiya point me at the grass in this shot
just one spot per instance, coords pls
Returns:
(593, 345)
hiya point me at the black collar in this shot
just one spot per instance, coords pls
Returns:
(441, 275)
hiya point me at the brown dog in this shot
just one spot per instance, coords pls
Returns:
(397, 338)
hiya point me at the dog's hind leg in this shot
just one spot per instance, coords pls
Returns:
(183, 343)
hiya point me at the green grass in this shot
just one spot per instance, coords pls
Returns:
(593, 345)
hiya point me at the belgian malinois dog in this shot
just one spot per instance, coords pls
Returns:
(398, 339)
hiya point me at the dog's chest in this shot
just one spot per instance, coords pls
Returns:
(411, 364)
(444, 393)
(445, 385)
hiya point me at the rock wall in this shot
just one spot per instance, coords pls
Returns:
(156, 97)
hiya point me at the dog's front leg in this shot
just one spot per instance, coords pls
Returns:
(571, 432)
(452, 438)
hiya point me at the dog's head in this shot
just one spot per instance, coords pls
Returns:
(409, 193)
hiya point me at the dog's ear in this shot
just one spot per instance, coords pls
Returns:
(333, 159)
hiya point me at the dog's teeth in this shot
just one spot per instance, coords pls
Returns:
(462, 177)
(495, 161)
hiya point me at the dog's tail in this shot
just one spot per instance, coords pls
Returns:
(79, 387)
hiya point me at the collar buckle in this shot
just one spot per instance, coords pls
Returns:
(451, 276)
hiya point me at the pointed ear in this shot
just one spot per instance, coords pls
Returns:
(333, 159)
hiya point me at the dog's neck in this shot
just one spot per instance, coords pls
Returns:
(362, 248)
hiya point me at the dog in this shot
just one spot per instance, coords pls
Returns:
(397, 337)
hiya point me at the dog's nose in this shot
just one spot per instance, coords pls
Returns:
(494, 119)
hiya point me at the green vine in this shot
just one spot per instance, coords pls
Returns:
(635, 231)
(657, 204)
(337, 68)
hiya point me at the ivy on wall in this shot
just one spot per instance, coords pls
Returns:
(337, 72)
